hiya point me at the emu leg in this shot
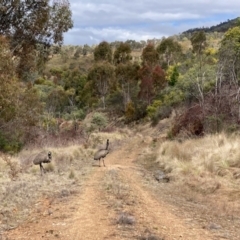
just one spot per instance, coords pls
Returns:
(99, 162)
(103, 162)
(40, 165)
(42, 169)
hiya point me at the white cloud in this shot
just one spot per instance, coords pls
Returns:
(168, 16)
(112, 20)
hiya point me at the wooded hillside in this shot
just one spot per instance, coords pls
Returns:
(48, 86)
(221, 27)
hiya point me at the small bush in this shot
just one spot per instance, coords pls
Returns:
(214, 124)
(99, 120)
(150, 237)
(49, 123)
(72, 65)
(71, 174)
(153, 108)
(125, 219)
(130, 112)
(9, 146)
(191, 121)
(161, 113)
(75, 114)
(232, 128)
(39, 81)
(14, 167)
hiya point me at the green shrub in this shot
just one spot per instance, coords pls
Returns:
(3, 141)
(71, 174)
(99, 120)
(49, 123)
(214, 124)
(39, 81)
(232, 128)
(78, 114)
(161, 113)
(42, 81)
(152, 109)
(10, 145)
(130, 112)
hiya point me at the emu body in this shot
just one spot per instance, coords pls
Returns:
(101, 154)
(42, 157)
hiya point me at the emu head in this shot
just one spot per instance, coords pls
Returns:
(49, 156)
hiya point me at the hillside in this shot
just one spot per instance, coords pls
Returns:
(221, 27)
(132, 81)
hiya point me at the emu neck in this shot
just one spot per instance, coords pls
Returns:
(107, 145)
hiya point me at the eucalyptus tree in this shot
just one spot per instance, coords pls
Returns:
(101, 74)
(199, 44)
(122, 54)
(126, 72)
(150, 55)
(153, 81)
(86, 49)
(28, 24)
(227, 85)
(103, 52)
(198, 41)
(229, 54)
(127, 80)
(102, 77)
(169, 52)
(20, 107)
(151, 74)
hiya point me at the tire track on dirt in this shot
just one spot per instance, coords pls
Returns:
(92, 220)
(152, 215)
(155, 216)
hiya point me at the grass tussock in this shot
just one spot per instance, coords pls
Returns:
(148, 235)
(211, 154)
(125, 219)
(115, 186)
(99, 139)
(12, 166)
(72, 174)
(204, 164)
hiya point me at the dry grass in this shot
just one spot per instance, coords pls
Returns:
(22, 186)
(203, 170)
(211, 156)
(18, 198)
(204, 177)
(115, 187)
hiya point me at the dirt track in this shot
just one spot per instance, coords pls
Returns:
(114, 203)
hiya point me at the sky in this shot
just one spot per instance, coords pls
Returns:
(120, 20)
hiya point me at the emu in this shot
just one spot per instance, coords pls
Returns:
(42, 157)
(101, 154)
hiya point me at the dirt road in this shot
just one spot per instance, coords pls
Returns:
(114, 203)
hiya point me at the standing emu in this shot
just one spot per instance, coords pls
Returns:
(102, 153)
(42, 157)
